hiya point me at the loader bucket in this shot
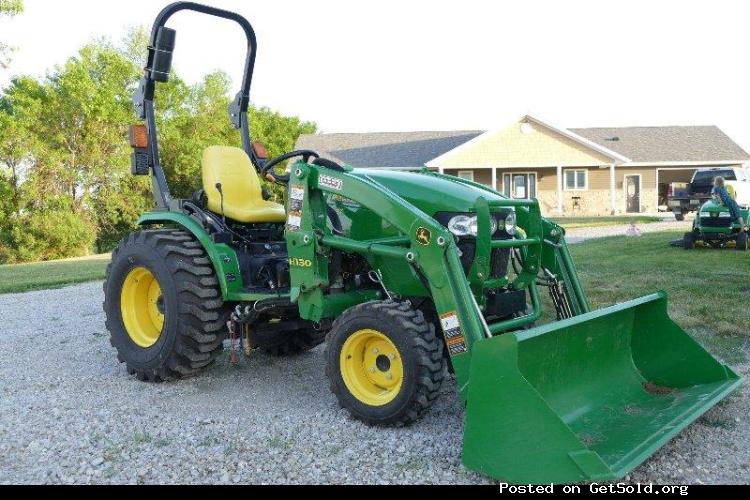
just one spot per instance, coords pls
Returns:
(587, 398)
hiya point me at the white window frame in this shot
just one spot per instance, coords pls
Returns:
(528, 184)
(576, 170)
(462, 173)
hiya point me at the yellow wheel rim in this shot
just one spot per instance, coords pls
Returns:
(141, 308)
(371, 367)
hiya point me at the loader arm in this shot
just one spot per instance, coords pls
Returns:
(430, 251)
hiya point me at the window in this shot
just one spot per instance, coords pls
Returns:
(576, 180)
(521, 185)
(707, 176)
(466, 174)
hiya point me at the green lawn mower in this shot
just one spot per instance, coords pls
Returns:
(714, 227)
(407, 277)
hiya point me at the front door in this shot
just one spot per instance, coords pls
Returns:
(632, 193)
(521, 185)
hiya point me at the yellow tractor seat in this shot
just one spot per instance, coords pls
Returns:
(243, 198)
(730, 191)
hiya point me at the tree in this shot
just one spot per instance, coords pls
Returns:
(8, 8)
(65, 183)
(193, 118)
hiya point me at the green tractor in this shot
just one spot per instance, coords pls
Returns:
(714, 226)
(407, 277)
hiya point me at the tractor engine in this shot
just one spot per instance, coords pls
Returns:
(265, 265)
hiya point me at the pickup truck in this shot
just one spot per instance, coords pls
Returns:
(684, 197)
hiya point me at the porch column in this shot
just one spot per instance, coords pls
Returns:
(612, 191)
(441, 170)
(559, 190)
(494, 179)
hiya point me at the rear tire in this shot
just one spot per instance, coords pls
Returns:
(679, 216)
(193, 313)
(688, 241)
(742, 241)
(396, 386)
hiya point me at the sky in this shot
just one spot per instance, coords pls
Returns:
(364, 66)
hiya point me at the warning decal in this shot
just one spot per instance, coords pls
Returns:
(454, 337)
(296, 200)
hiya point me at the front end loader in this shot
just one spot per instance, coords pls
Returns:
(406, 276)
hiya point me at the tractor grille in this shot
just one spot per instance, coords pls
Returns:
(498, 260)
(716, 222)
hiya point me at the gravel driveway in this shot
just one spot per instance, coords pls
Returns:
(69, 413)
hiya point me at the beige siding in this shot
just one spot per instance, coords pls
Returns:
(510, 147)
(593, 201)
(541, 150)
(481, 175)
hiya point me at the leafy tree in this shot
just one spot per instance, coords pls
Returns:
(8, 8)
(11, 7)
(65, 183)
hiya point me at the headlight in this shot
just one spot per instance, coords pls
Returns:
(705, 214)
(724, 214)
(464, 225)
(510, 223)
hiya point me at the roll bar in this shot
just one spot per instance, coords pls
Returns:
(159, 60)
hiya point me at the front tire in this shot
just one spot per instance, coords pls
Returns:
(688, 241)
(384, 362)
(163, 306)
(742, 241)
(679, 216)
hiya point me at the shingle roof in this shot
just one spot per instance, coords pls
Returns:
(415, 149)
(664, 144)
(385, 149)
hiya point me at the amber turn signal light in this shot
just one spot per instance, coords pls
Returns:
(260, 151)
(138, 136)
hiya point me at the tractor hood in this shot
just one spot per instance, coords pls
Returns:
(713, 206)
(430, 192)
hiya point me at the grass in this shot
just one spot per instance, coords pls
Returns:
(708, 289)
(53, 274)
(576, 222)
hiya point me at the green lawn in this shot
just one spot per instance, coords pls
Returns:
(55, 274)
(709, 290)
(575, 222)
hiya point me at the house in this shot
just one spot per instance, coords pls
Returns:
(582, 171)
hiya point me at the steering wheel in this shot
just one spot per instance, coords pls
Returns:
(267, 170)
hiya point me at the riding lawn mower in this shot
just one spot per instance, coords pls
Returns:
(408, 277)
(714, 226)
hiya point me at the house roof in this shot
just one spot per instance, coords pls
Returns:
(666, 144)
(629, 145)
(385, 149)
(443, 160)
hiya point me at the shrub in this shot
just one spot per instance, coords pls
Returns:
(49, 235)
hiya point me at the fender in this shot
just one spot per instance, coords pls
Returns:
(223, 257)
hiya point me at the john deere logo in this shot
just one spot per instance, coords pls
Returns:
(424, 236)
